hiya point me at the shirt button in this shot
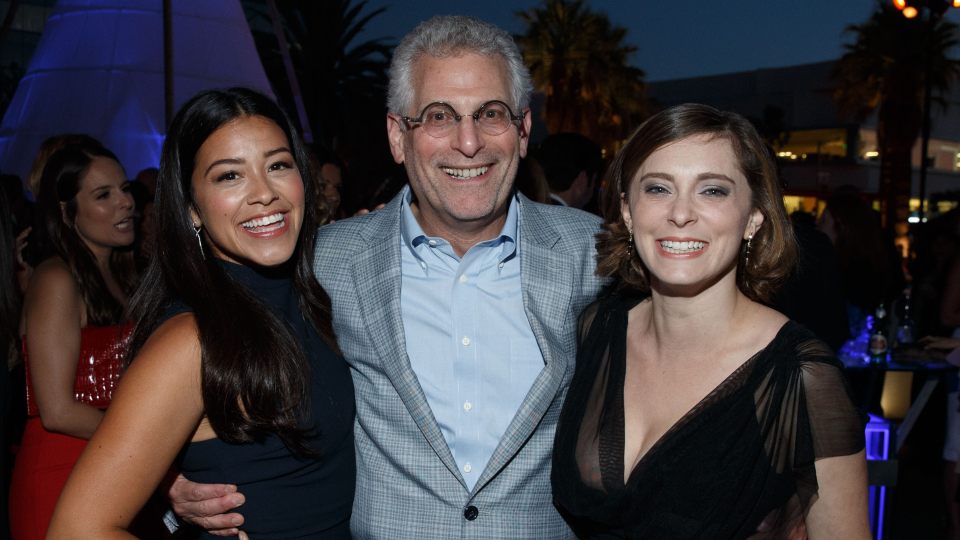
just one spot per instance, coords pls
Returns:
(423, 264)
(501, 265)
(467, 406)
(467, 468)
(463, 278)
(471, 513)
(432, 242)
(465, 341)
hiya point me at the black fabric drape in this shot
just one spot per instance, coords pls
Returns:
(739, 465)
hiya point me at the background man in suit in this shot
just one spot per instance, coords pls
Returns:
(572, 164)
(455, 305)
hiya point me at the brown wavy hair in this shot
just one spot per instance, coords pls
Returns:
(60, 183)
(773, 250)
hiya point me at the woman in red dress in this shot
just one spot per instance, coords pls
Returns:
(69, 322)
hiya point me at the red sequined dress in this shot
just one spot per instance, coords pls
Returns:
(46, 459)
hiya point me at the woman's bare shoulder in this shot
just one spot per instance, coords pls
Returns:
(763, 325)
(169, 362)
(55, 274)
(176, 341)
(54, 294)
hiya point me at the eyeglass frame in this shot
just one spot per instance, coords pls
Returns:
(457, 116)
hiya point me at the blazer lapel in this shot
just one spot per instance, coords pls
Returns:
(547, 287)
(376, 274)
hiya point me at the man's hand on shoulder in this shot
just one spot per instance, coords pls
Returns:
(205, 505)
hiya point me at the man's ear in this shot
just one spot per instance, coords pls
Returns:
(525, 126)
(581, 184)
(395, 134)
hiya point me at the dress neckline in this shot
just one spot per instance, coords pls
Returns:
(259, 279)
(698, 407)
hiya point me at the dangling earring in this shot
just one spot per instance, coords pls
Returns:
(630, 247)
(747, 258)
(196, 229)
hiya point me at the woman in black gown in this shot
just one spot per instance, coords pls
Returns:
(695, 411)
(236, 374)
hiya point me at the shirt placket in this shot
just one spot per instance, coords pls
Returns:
(466, 368)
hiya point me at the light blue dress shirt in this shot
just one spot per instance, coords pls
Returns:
(467, 335)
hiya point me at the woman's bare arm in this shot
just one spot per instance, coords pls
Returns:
(840, 511)
(53, 316)
(156, 408)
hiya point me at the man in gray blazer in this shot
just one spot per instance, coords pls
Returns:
(456, 304)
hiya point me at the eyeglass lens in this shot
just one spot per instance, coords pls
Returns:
(493, 119)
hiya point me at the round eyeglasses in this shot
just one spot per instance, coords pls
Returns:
(439, 118)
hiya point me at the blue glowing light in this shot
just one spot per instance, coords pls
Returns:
(98, 70)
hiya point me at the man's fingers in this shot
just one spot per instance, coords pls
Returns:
(202, 492)
(220, 505)
(183, 491)
(225, 532)
(223, 524)
(243, 536)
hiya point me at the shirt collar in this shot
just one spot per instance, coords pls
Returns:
(413, 235)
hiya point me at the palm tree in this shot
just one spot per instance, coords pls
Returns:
(885, 68)
(343, 83)
(578, 60)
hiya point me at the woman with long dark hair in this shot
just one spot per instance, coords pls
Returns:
(696, 412)
(235, 374)
(70, 314)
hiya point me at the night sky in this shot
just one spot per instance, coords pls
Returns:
(677, 38)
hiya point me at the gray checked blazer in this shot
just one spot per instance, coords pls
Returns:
(408, 484)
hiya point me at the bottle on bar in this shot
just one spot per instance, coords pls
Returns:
(878, 344)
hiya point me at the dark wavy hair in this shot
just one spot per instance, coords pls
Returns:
(255, 377)
(60, 182)
(773, 250)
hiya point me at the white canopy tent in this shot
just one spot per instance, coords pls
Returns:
(98, 70)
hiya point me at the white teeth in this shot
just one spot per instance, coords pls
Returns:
(264, 221)
(465, 174)
(681, 247)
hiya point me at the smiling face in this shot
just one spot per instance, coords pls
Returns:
(465, 178)
(689, 206)
(248, 193)
(104, 216)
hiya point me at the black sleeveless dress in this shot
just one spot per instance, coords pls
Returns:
(288, 496)
(739, 465)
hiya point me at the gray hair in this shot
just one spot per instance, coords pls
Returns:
(454, 35)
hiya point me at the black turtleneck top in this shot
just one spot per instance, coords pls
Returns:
(288, 496)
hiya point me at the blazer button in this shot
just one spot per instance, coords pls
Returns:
(471, 513)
